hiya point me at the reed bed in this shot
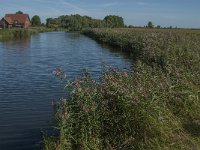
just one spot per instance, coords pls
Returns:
(7, 34)
(155, 106)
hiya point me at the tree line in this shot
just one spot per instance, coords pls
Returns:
(78, 22)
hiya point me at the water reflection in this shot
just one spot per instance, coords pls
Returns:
(73, 35)
(18, 49)
(23, 42)
(117, 50)
(27, 85)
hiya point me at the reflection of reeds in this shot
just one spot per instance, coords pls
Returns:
(156, 106)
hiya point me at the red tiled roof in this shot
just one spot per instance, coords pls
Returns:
(21, 18)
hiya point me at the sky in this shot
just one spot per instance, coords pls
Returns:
(180, 13)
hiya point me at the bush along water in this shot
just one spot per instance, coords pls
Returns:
(155, 106)
(7, 34)
(15, 33)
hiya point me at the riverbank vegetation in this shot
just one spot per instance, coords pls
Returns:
(155, 106)
(7, 34)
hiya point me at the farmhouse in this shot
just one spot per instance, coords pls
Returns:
(16, 20)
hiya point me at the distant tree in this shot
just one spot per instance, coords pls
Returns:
(113, 21)
(74, 22)
(48, 22)
(19, 12)
(158, 27)
(97, 23)
(170, 27)
(150, 25)
(77, 22)
(130, 26)
(35, 21)
(42, 24)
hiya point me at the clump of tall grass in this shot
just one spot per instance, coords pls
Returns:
(123, 111)
(155, 106)
(6, 34)
(16, 33)
(175, 52)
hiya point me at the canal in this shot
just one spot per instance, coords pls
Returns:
(28, 85)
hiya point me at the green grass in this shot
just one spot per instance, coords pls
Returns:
(156, 106)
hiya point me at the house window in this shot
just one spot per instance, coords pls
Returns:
(15, 21)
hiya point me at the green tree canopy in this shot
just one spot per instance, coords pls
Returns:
(150, 25)
(19, 12)
(35, 21)
(158, 27)
(78, 22)
(113, 21)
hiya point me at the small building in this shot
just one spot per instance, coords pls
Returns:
(16, 21)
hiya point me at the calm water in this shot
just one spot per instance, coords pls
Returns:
(27, 85)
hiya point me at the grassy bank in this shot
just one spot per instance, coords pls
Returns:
(6, 34)
(156, 106)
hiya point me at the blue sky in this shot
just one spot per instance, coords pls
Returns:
(181, 13)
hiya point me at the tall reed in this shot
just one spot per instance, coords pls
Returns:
(6, 34)
(155, 106)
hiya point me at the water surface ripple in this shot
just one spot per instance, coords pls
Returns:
(27, 85)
